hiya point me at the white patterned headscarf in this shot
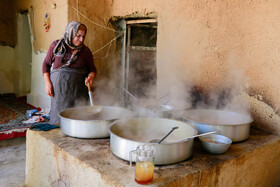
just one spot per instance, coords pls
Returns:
(70, 32)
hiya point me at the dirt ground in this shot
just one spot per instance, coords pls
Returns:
(12, 162)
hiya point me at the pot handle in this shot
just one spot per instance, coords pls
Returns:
(130, 156)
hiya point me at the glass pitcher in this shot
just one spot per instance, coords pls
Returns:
(144, 169)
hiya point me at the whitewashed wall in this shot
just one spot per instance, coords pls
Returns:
(37, 96)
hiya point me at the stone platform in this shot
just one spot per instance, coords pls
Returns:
(54, 159)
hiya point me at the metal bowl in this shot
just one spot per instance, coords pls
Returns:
(215, 143)
(84, 122)
(234, 125)
(158, 111)
(126, 135)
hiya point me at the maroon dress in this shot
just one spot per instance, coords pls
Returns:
(68, 82)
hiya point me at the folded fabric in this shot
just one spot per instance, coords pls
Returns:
(43, 127)
(34, 119)
(43, 111)
(29, 113)
(47, 116)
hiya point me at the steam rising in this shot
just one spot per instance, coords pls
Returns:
(179, 83)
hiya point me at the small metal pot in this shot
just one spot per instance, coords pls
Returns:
(234, 125)
(159, 111)
(127, 135)
(84, 122)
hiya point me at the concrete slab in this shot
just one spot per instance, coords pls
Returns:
(12, 162)
(54, 159)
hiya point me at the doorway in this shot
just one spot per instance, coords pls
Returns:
(24, 55)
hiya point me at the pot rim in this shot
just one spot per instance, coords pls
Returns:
(164, 108)
(96, 120)
(218, 124)
(168, 143)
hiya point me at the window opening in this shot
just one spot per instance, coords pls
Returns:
(139, 57)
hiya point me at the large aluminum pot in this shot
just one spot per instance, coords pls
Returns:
(234, 125)
(84, 122)
(126, 135)
(158, 111)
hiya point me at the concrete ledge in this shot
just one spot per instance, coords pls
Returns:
(54, 159)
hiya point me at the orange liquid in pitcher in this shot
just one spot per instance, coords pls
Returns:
(144, 172)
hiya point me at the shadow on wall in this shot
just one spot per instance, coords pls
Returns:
(6, 85)
(201, 98)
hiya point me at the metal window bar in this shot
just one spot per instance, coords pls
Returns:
(126, 50)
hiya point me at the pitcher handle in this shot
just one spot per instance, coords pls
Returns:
(130, 156)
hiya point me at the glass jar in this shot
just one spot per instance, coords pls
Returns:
(144, 169)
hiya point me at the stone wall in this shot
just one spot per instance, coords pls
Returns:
(214, 45)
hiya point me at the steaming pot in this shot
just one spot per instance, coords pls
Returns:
(127, 135)
(234, 125)
(84, 122)
(160, 111)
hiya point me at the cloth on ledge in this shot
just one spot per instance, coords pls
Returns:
(12, 113)
(43, 127)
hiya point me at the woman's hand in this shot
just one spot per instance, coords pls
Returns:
(49, 89)
(48, 84)
(89, 79)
